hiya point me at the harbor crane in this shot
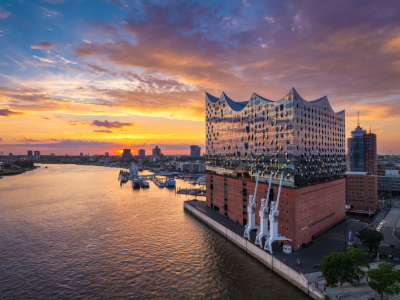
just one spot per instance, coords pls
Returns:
(263, 213)
(273, 222)
(251, 208)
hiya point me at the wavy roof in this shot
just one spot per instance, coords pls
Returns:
(238, 106)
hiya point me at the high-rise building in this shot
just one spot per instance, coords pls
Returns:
(142, 153)
(195, 150)
(370, 154)
(107, 154)
(361, 176)
(126, 153)
(81, 154)
(10, 157)
(304, 140)
(29, 154)
(156, 151)
(37, 155)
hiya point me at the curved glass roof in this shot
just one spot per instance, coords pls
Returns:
(238, 106)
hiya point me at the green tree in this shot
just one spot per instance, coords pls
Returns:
(371, 238)
(359, 260)
(337, 267)
(384, 195)
(385, 279)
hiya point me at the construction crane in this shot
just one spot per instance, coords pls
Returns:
(273, 222)
(263, 213)
(251, 208)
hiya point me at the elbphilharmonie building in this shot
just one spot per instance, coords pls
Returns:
(305, 139)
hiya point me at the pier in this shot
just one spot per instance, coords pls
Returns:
(192, 192)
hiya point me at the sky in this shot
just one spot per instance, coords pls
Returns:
(99, 76)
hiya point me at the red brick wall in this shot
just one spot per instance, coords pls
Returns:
(299, 209)
(235, 199)
(362, 191)
(219, 192)
(208, 190)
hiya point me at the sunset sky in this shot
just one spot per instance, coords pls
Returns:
(96, 76)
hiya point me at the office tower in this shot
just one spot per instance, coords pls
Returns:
(303, 139)
(361, 176)
(37, 155)
(29, 154)
(81, 154)
(142, 153)
(370, 154)
(195, 150)
(156, 151)
(107, 154)
(126, 153)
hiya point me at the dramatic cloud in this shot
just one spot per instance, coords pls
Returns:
(26, 140)
(67, 144)
(3, 14)
(8, 113)
(115, 124)
(103, 131)
(43, 45)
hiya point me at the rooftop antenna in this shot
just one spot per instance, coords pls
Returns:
(358, 119)
(370, 131)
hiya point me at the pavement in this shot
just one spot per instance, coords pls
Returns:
(333, 240)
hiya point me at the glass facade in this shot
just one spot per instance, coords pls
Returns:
(355, 150)
(305, 139)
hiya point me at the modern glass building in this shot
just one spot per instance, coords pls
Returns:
(355, 150)
(305, 139)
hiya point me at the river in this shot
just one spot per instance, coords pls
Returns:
(72, 232)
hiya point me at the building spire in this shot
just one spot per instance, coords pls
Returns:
(358, 119)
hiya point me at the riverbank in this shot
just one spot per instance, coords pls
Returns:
(234, 232)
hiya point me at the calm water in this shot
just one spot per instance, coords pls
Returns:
(72, 232)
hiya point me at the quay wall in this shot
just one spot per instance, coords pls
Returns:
(283, 270)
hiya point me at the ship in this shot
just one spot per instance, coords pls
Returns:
(136, 183)
(158, 182)
(170, 182)
(133, 170)
(144, 184)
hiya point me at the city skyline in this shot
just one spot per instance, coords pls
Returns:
(78, 76)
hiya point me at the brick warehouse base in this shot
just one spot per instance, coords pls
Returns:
(303, 212)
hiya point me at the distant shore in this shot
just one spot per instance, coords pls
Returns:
(12, 172)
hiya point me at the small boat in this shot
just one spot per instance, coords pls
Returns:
(135, 183)
(144, 184)
(45, 167)
(170, 182)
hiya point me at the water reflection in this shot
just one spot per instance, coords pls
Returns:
(73, 232)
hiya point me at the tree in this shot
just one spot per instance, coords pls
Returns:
(384, 195)
(385, 279)
(337, 267)
(371, 238)
(359, 260)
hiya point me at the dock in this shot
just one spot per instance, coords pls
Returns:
(192, 192)
(233, 231)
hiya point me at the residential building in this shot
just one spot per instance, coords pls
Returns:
(10, 157)
(107, 154)
(81, 154)
(29, 154)
(126, 153)
(142, 153)
(195, 150)
(36, 154)
(304, 140)
(156, 151)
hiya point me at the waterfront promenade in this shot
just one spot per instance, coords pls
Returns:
(332, 240)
